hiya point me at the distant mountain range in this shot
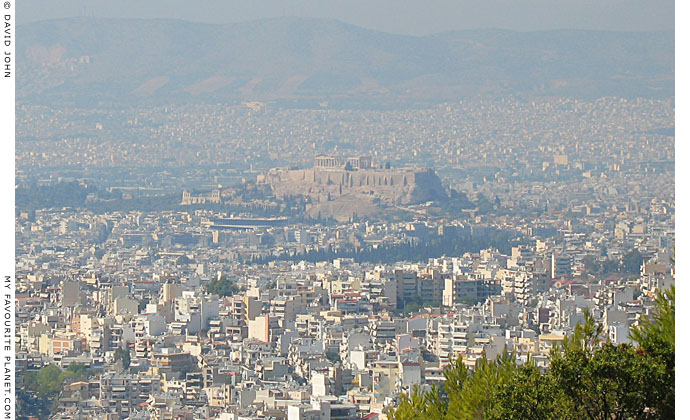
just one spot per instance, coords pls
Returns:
(128, 60)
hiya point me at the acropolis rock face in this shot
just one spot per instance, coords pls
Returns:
(391, 187)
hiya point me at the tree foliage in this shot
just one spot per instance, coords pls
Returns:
(47, 382)
(333, 356)
(477, 390)
(656, 336)
(413, 250)
(420, 404)
(632, 261)
(527, 394)
(588, 378)
(660, 327)
(605, 381)
(222, 286)
(628, 263)
(123, 354)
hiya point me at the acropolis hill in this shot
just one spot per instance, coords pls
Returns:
(340, 187)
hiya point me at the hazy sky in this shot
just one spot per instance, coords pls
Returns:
(416, 17)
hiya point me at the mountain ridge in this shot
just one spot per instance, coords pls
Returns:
(293, 58)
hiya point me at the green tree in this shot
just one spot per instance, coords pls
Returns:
(478, 389)
(609, 266)
(76, 370)
(48, 382)
(122, 354)
(420, 404)
(528, 394)
(456, 375)
(660, 327)
(268, 240)
(588, 378)
(606, 381)
(590, 264)
(222, 287)
(469, 301)
(412, 307)
(333, 356)
(632, 261)
(656, 335)
(184, 260)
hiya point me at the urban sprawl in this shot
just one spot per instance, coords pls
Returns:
(241, 298)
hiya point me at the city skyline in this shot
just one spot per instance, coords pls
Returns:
(347, 214)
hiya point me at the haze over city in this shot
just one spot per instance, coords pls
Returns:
(413, 18)
(345, 210)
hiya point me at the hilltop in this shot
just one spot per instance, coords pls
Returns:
(99, 60)
(342, 194)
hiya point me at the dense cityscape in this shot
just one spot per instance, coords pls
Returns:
(325, 210)
(163, 272)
